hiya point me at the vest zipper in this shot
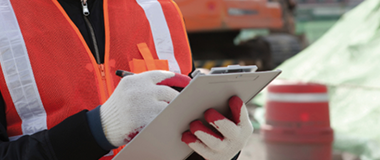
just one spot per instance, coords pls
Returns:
(103, 74)
(101, 66)
(86, 13)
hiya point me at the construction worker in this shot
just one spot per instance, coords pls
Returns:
(60, 98)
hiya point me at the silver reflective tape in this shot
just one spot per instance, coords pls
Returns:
(18, 72)
(13, 138)
(304, 97)
(160, 31)
(109, 154)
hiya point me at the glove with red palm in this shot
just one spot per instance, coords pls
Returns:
(136, 101)
(232, 135)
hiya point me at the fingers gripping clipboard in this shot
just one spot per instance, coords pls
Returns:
(161, 139)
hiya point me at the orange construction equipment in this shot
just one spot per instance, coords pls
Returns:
(213, 25)
(203, 15)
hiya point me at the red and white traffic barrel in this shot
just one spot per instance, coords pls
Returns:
(297, 123)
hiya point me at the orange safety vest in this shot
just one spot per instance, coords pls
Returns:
(49, 73)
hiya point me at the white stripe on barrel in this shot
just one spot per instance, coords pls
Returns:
(298, 97)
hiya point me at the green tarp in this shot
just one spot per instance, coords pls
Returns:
(313, 30)
(347, 60)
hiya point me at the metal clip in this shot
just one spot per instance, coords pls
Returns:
(86, 12)
(197, 73)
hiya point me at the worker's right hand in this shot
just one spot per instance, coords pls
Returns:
(136, 101)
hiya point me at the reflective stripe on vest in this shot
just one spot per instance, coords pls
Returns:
(160, 31)
(18, 73)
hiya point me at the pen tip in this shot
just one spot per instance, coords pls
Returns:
(119, 73)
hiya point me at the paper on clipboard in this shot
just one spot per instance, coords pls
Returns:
(161, 139)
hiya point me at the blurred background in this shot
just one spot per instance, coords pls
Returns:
(331, 42)
(260, 32)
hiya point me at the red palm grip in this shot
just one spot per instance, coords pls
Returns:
(188, 137)
(199, 126)
(178, 80)
(211, 115)
(235, 105)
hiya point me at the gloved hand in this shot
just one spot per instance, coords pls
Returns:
(136, 101)
(231, 139)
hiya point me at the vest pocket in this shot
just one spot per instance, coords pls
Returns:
(147, 63)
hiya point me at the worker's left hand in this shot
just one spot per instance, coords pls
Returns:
(233, 134)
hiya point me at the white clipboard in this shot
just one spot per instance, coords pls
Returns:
(161, 139)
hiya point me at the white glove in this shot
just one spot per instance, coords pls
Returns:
(136, 101)
(231, 139)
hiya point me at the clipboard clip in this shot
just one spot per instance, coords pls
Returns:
(226, 70)
(197, 73)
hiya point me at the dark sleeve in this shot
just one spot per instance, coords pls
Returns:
(69, 140)
(3, 122)
(196, 156)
